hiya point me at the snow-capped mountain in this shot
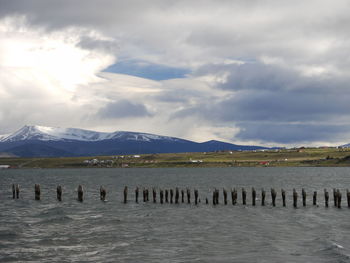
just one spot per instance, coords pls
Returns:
(42, 133)
(40, 141)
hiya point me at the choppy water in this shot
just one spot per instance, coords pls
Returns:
(95, 231)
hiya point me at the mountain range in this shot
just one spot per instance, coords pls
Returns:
(40, 141)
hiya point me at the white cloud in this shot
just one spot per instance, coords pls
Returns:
(40, 72)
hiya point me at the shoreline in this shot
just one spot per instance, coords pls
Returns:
(306, 157)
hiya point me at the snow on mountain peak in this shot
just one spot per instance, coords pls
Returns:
(43, 133)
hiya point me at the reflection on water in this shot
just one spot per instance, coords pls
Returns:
(95, 231)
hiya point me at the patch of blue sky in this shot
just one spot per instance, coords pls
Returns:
(147, 70)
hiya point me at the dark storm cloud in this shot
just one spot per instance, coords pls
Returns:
(123, 109)
(271, 103)
(293, 133)
(90, 43)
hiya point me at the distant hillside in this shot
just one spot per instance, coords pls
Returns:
(39, 141)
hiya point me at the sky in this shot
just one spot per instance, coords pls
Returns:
(267, 72)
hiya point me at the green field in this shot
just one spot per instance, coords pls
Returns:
(289, 157)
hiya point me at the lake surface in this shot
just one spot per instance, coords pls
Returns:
(96, 231)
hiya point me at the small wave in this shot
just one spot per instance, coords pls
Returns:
(337, 245)
(96, 216)
(55, 220)
(8, 234)
(336, 251)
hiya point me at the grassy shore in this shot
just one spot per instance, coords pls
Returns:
(294, 157)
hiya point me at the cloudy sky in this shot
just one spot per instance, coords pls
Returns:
(252, 72)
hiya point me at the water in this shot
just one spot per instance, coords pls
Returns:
(95, 231)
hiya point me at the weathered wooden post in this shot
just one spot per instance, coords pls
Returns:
(348, 197)
(244, 196)
(171, 195)
(326, 197)
(217, 196)
(283, 197)
(253, 196)
(80, 193)
(37, 191)
(206, 201)
(225, 195)
(13, 191)
(234, 196)
(295, 198)
(166, 196)
(147, 195)
(335, 197)
(17, 191)
(188, 193)
(177, 195)
(182, 196)
(125, 194)
(154, 194)
(103, 193)
(303, 194)
(338, 198)
(161, 195)
(314, 198)
(263, 196)
(59, 193)
(214, 193)
(273, 196)
(196, 196)
(136, 194)
(144, 194)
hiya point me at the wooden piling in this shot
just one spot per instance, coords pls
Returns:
(273, 196)
(80, 193)
(303, 194)
(177, 195)
(154, 194)
(182, 196)
(224, 192)
(217, 196)
(37, 192)
(59, 193)
(295, 198)
(348, 196)
(13, 191)
(253, 196)
(136, 195)
(206, 201)
(214, 193)
(125, 194)
(171, 195)
(166, 196)
(103, 193)
(17, 191)
(195, 196)
(326, 197)
(339, 195)
(263, 196)
(335, 197)
(147, 195)
(283, 193)
(314, 198)
(234, 196)
(161, 195)
(144, 194)
(244, 196)
(188, 193)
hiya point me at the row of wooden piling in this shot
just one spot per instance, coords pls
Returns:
(173, 196)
